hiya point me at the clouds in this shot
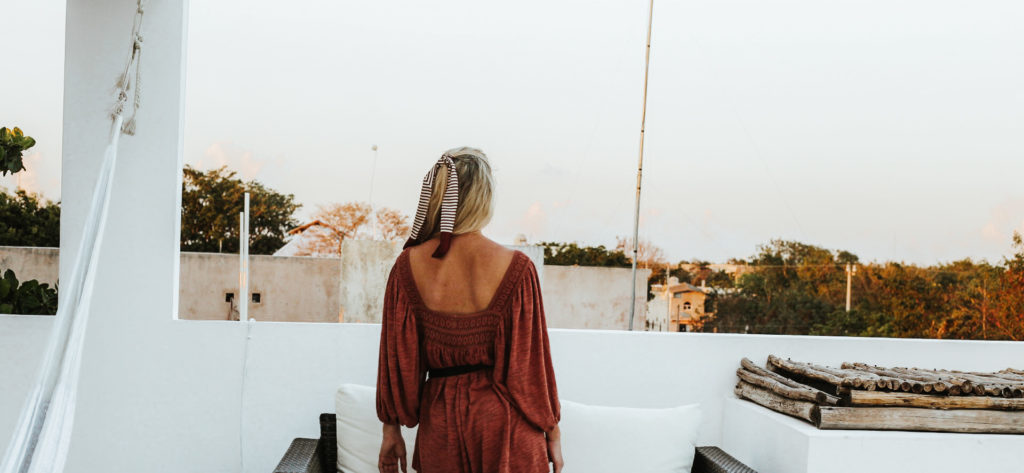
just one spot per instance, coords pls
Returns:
(1004, 218)
(225, 153)
(874, 132)
(40, 176)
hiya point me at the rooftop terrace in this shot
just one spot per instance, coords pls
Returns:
(162, 394)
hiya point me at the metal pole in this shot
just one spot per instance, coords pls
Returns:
(243, 254)
(640, 165)
(850, 271)
(373, 173)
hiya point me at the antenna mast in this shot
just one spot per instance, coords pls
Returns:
(640, 167)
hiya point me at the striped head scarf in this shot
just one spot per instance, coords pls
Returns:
(449, 204)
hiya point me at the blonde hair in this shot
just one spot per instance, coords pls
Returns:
(476, 194)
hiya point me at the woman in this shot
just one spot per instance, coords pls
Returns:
(464, 348)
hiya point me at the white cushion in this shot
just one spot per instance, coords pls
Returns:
(595, 439)
(598, 439)
(360, 431)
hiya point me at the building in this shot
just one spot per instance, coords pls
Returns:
(684, 311)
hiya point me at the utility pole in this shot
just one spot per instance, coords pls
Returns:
(851, 269)
(640, 167)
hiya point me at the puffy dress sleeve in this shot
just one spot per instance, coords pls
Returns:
(400, 369)
(530, 376)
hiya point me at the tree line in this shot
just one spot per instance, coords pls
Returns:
(795, 288)
(787, 287)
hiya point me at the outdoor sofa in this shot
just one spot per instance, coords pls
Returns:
(306, 455)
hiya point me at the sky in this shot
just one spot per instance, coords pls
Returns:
(894, 130)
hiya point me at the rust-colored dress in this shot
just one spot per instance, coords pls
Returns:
(488, 421)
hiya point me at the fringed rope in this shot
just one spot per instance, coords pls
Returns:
(449, 205)
(126, 86)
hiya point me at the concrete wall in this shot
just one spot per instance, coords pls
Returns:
(291, 288)
(593, 298)
(365, 266)
(351, 288)
(31, 263)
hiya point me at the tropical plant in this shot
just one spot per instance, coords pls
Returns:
(28, 298)
(12, 144)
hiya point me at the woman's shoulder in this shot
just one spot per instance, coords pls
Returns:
(521, 271)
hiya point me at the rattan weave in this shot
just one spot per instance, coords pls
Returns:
(714, 460)
(301, 457)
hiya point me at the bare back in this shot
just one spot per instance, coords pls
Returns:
(465, 280)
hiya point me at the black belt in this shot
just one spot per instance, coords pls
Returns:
(454, 370)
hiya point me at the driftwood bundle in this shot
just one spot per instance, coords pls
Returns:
(861, 396)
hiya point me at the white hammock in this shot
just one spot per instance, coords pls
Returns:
(41, 439)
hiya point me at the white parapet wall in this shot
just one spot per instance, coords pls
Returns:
(775, 443)
(153, 389)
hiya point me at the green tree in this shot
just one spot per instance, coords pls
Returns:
(1007, 308)
(569, 254)
(28, 220)
(211, 201)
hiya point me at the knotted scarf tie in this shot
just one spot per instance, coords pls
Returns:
(449, 204)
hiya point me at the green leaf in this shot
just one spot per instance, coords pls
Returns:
(6, 309)
(5, 288)
(9, 275)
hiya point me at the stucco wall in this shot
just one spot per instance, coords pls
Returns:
(291, 288)
(31, 263)
(593, 298)
(351, 288)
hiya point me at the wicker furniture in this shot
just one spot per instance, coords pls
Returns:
(321, 455)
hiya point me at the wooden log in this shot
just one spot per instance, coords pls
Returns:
(996, 377)
(987, 384)
(1012, 371)
(930, 382)
(782, 368)
(918, 419)
(1011, 385)
(816, 395)
(964, 386)
(822, 380)
(801, 394)
(867, 398)
(799, 409)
